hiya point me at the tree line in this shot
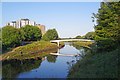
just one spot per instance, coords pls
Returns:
(89, 35)
(13, 37)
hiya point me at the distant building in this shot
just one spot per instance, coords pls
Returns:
(13, 23)
(42, 28)
(23, 22)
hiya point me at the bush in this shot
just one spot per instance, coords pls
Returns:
(90, 35)
(11, 37)
(51, 34)
(106, 45)
(31, 33)
(78, 37)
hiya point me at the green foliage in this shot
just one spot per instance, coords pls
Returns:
(51, 58)
(0, 34)
(31, 33)
(98, 65)
(51, 34)
(107, 35)
(106, 44)
(107, 29)
(90, 35)
(78, 37)
(11, 68)
(80, 44)
(11, 37)
(0, 40)
(31, 50)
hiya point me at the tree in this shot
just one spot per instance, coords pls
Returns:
(90, 35)
(51, 34)
(11, 37)
(31, 33)
(0, 34)
(78, 37)
(107, 29)
(0, 40)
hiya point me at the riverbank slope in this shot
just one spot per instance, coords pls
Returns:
(33, 50)
(97, 65)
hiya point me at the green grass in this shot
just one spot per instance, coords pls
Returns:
(79, 44)
(33, 50)
(97, 65)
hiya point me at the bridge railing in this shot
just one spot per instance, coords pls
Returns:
(71, 40)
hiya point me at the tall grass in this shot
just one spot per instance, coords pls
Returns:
(97, 65)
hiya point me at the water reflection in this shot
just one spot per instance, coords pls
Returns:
(10, 68)
(82, 51)
(51, 58)
(47, 67)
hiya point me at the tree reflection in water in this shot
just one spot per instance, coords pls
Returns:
(51, 58)
(11, 68)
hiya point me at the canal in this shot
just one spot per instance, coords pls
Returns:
(51, 66)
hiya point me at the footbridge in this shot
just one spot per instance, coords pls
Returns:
(66, 40)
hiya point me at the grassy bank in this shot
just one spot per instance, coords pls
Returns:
(97, 65)
(33, 50)
(10, 49)
(82, 44)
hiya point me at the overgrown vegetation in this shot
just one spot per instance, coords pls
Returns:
(31, 33)
(11, 37)
(97, 65)
(82, 44)
(51, 34)
(107, 29)
(36, 49)
(105, 62)
(89, 35)
(14, 37)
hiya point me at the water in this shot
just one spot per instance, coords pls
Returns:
(50, 67)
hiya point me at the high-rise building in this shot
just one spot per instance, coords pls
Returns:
(13, 23)
(24, 22)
